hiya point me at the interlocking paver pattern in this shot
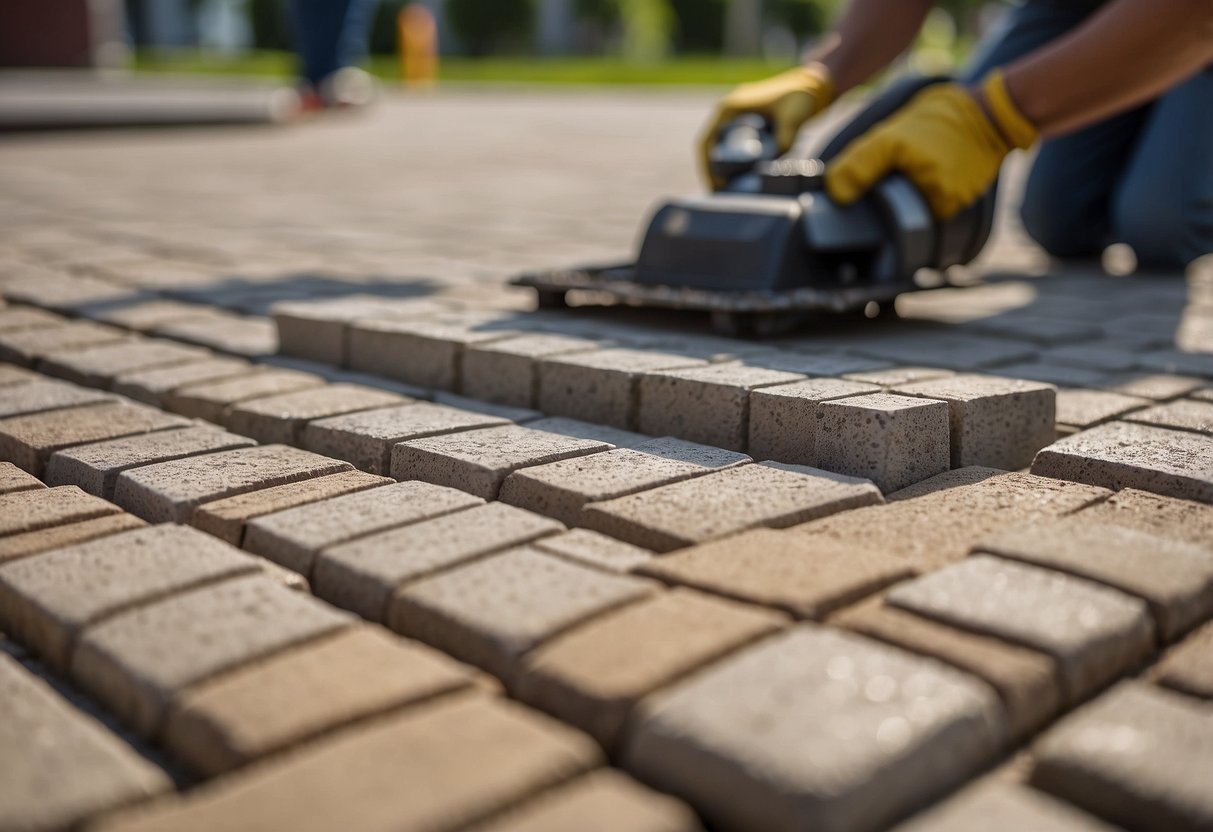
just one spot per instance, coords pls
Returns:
(97, 365)
(212, 399)
(155, 386)
(282, 418)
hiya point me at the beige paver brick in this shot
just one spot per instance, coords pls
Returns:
(499, 411)
(170, 491)
(602, 386)
(47, 600)
(96, 467)
(425, 352)
(97, 366)
(1163, 516)
(13, 479)
(31, 510)
(998, 422)
(154, 386)
(282, 418)
(1181, 415)
(226, 333)
(995, 806)
(147, 315)
(783, 419)
(1188, 667)
(1095, 633)
(1138, 756)
(490, 612)
(27, 318)
(440, 766)
(892, 440)
(319, 329)
(31, 543)
(25, 347)
(589, 430)
(227, 518)
(593, 549)
(478, 461)
(1173, 577)
(805, 577)
(1204, 395)
(1123, 455)
(1086, 408)
(366, 439)
(60, 766)
(562, 489)
(1160, 387)
(302, 693)
(1026, 680)
(704, 404)
(295, 536)
(604, 801)
(10, 375)
(43, 394)
(30, 440)
(815, 728)
(725, 502)
(507, 371)
(211, 400)
(594, 675)
(362, 575)
(136, 662)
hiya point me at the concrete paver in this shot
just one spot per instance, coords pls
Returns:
(232, 334)
(24, 317)
(154, 386)
(31, 510)
(25, 347)
(13, 479)
(507, 371)
(897, 376)
(589, 430)
(433, 347)
(1157, 386)
(1003, 807)
(817, 728)
(1082, 409)
(1163, 516)
(593, 549)
(1181, 415)
(96, 366)
(211, 400)
(320, 329)
(45, 394)
(1188, 667)
(145, 316)
(31, 543)
(783, 419)
(10, 375)
(282, 418)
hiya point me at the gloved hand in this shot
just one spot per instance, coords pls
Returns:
(942, 140)
(788, 100)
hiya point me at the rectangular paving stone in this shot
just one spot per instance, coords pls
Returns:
(1188, 667)
(30, 440)
(424, 352)
(97, 366)
(507, 371)
(1138, 756)
(300, 694)
(10, 376)
(232, 334)
(725, 502)
(892, 440)
(363, 574)
(366, 439)
(1163, 516)
(25, 347)
(589, 430)
(1177, 361)
(282, 418)
(704, 404)
(593, 549)
(499, 411)
(815, 728)
(60, 766)
(43, 394)
(293, 538)
(562, 489)
(997, 422)
(1174, 578)
(46, 601)
(805, 577)
(783, 419)
(409, 771)
(1180, 415)
(1083, 409)
(479, 461)
(602, 386)
(211, 400)
(96, 467)
(13, 479)
(1160, 387)
(19, 317)
(145, 316)
(31, 543)
(492, 611)
(31, 510)
(153, 386)
(319, 329)
(1026, 680)
(1123, 455)
(996, 806)
(135, 663)
(594, 675)
(1060, 375)
(227, 518)
(896, 376)
(1094, 632)
(816, 363)
(170, 491)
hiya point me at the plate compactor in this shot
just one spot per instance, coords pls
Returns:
(770, 246)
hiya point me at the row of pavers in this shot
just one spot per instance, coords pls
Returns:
(513, 569)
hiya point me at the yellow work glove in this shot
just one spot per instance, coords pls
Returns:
(788, 100)
(942, 140)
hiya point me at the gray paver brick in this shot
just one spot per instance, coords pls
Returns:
(96, 366)
(1167, 517)
(47, 600)
(1003, 807)
(135, 663)
(588, 430)
(60, 766)
(1123, 455)
(295, 536)
(1182, 415)
(488, 613)
(31, 543)
(96, 467)
(13, 479)
(282, 418)
(172, 490)
(153, 386)
(27, 318)
(724, 502)
(507, 371)
(210, 400)
(1176, 361)
(147, 315)
(1157, 386)
(10, 375)
(26, 346)
(1087, 408)
(45, 394)
(1138, 756)
(226, 333)
(816, 728)
(366, 439)
(424, 352)
(319, 329)
(362, 575)
(1188, 667)
(783, 419)
(896, 376)
(478, 461)
(31, 510)
(1094, 632)
(816, 364)
(593, 549)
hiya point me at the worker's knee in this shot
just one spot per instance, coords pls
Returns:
(1057, 224)
(1164, 230)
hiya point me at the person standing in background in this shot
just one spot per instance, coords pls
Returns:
(330, 40)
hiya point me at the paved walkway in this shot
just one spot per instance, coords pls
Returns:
(410, 555)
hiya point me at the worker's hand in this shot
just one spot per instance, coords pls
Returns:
(788, 100)
(948, 145)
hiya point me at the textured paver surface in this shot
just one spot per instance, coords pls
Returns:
(903, 583)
